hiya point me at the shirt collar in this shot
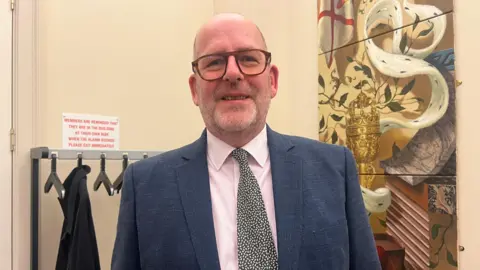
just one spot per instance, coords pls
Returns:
(218, 151)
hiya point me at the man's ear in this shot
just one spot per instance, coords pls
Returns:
(192, 81)
(273, 80)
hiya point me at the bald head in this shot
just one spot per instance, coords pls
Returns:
(222, 23)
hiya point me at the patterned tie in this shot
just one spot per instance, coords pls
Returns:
(256, 249)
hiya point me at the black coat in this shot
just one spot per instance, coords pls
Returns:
(78, 245)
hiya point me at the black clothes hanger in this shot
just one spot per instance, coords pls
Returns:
(79, 160)
(117, 185)
(103, 178)
(54, 180)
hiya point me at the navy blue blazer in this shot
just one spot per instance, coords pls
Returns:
(165, 219)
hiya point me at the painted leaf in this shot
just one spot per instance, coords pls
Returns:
(426, 31)
(322, 122)
(336, 117)
(367, 71)
(349, 59)
(417, 19)
(334, 137)
(408, 87)
(395, 106)
(358, 86)
(450, 259)
(361, 84)
(321, 82)
(388, 93)
(435, 229)
(357, 68)
(382, 222)
(343, 98)
(403, 42)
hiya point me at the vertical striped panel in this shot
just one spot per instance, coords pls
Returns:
(408, 224)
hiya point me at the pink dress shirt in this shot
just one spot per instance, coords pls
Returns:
(224, 176)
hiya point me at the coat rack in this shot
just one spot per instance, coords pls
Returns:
(53, 181)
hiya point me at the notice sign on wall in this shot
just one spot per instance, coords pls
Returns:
(83, 131)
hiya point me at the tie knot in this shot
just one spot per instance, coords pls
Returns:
(240, 155)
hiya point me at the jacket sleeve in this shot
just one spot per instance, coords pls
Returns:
(125, 252)
(363, 251)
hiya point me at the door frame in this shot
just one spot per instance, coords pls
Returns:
(25, 114)
(6, 127)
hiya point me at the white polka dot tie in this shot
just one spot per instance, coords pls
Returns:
(256, 249)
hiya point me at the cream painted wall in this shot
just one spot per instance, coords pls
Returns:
(467, 58)
(76, 57)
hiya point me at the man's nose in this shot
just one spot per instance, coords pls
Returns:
(232, 72)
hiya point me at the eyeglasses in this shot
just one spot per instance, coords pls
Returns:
(214, 66)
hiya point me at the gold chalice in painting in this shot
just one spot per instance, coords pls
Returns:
(363, 135)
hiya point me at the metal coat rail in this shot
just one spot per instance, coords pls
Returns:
(39, 153)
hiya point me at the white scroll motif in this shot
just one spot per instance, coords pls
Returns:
(397, 65)
(376, 201)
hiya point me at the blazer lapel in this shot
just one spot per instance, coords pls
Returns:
(287, 189)
(194, 188)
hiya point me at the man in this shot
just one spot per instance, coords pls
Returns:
(242, 196)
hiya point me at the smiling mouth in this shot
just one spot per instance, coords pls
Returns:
(235, 97)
